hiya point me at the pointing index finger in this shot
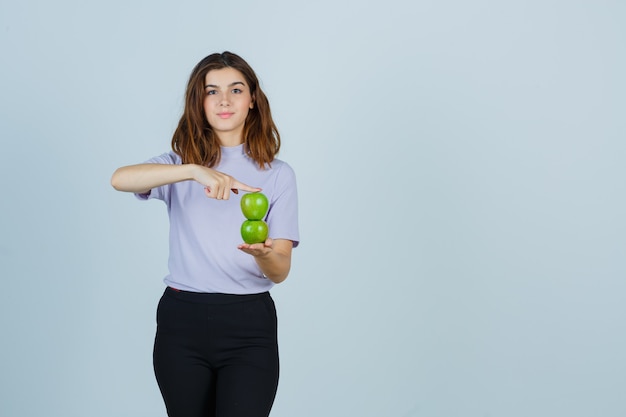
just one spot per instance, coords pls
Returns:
(236, 185)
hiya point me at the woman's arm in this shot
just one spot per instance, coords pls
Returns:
(141, 178)
(273, 257)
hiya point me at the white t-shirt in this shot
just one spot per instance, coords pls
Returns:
(205, 232)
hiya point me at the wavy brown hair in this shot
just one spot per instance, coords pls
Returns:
(195, 141)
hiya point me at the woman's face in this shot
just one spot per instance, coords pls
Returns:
(227, 101)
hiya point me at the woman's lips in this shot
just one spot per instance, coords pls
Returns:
(224, 115)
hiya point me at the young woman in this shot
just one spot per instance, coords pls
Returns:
(215, 350)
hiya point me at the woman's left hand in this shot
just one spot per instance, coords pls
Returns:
(257, 249)
(272, 256)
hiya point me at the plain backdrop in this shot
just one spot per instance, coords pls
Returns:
(460, 168)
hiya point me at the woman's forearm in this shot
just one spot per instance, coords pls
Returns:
(141, 178)
(276, 263)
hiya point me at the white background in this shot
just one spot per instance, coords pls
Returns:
(461, 176)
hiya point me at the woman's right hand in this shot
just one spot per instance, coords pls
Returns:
(219, 185)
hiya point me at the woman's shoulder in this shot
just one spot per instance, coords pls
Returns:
(284, 175)
(280, 164)
(282, 168)
(169, 157)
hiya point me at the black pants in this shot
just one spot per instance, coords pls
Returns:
(216, 355)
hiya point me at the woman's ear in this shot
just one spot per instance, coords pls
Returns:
(252, 102)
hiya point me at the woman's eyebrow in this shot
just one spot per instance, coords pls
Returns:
(230, 85)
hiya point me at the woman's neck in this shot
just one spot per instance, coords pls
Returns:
(229, 140)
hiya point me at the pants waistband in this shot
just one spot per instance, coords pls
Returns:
(212, 298)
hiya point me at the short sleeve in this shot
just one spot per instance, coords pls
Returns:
(282, 216)
(162, 192)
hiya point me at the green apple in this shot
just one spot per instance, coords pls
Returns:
(254, 205)
(254, 231)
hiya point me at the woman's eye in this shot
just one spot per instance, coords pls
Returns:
(237, 91)
(211, 92)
